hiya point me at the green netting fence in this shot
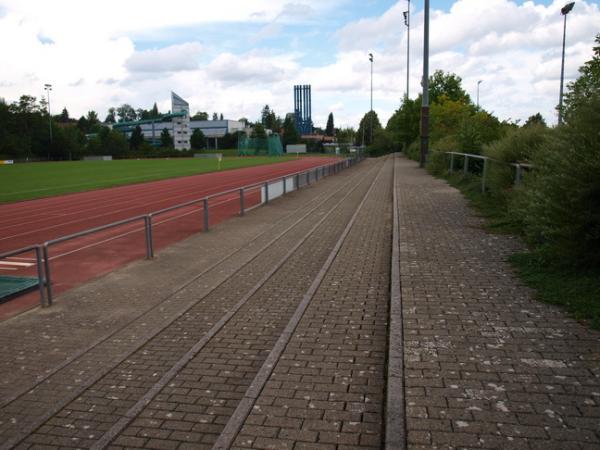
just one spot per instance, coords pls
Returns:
(271, 146)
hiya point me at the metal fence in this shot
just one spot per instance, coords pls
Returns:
(520, 168)
(268, 191)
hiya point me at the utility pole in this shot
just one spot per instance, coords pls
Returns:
(407, 23)
(425, 84)
(371, 111)
(478, 83)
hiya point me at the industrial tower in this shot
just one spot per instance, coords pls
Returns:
(302, 109)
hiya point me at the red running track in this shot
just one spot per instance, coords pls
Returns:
(79, 260)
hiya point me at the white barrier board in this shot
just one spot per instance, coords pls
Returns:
(295, 148)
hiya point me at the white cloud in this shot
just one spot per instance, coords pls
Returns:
(254, 68)
(169, 59)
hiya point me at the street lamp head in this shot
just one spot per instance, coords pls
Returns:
(48, 87)
(371, 57)
(479, 82)
(567, 8)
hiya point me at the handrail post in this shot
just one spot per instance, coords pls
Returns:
(40, 273)
(297, 181)
(267, 192)
(284, 186)
(48, 277)
(205, 205)
(148, 228)
(466, 168)
(242, 212)
(451, 162)
(484, 174)
(518, 174)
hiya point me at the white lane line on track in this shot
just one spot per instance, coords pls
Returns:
(7, 268)
(14, 263)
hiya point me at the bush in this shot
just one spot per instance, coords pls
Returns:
(519, 146)
(438, 163)
(561, 199)
(413, 150)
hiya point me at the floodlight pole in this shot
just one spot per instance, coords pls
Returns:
(425, 83)
(371, 111)
(48, 88)
(564, 11)
(407, 22)
(478, 83)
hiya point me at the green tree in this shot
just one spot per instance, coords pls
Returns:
(200, 115)
(26, 105)
(64, 116)
(198, 140)
(258, 131)
(92, 118)
(136, 139)
(126, 113)
(448, 85)
(83, 125)
(290, 133)
(221, 116)
(330, 128)
(368, 127)
(269, 119)
(111, 116)
(108, 142)
(404, 123)
(165, 138)
(586, 87)
(345, 135)
(154, 112)
(264, 115)
(536, 120)
(215, 116)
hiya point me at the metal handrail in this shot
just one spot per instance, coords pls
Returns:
(43, 250)
(518, 166)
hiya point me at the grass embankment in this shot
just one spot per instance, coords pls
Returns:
(34, 180)
(577, 290)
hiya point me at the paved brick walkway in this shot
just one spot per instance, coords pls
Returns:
(286, 329)
(486, 366)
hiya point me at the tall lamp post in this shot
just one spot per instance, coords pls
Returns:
(564, 11)
(371, 111)
(425, 84)
(48, 88)
(407, 23)
(478, 83)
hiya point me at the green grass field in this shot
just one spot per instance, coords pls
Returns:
(35, 180)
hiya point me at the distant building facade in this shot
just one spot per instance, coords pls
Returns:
(179, 125)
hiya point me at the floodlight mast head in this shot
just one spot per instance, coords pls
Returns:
(567, 8)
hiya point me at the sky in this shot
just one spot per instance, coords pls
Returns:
(235, 56)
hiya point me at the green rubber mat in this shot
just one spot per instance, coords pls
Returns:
(12, 286)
